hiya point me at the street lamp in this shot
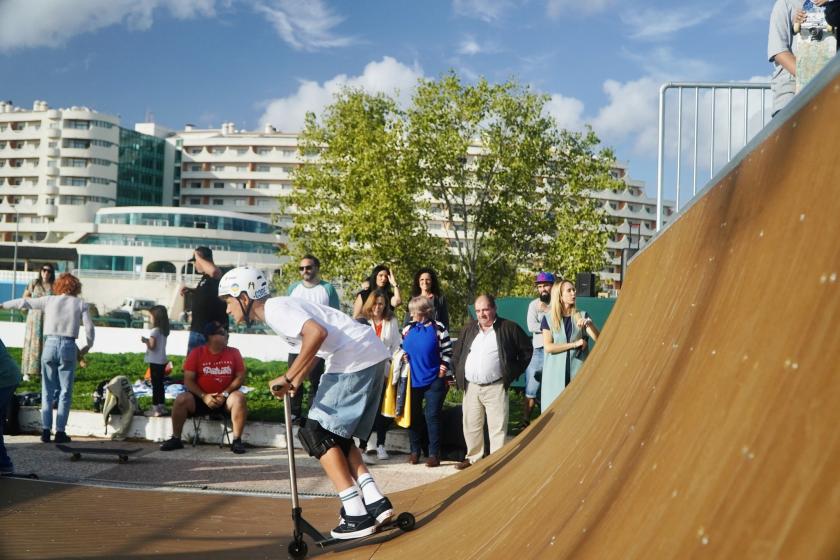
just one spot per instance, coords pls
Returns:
(14, 258)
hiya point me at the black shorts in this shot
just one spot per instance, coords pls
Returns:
(201, 408)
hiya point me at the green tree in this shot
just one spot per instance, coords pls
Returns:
(353, 208)
(510, 186)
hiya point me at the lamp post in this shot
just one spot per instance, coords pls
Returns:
(14, 257)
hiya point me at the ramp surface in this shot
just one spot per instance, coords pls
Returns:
(705, 424)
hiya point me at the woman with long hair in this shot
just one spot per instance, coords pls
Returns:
(379, 315)
(382, 278)
(64, 313)
(426, 284)
(33, 339)
(565, 341)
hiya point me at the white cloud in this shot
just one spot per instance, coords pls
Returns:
(50, 23)
(561, 8)
(386, 76)
(469, 46)
(306, 26)
(653, 24)
(567, 111)
(631, 115)
(485, 10)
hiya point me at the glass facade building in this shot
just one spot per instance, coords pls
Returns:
(140, 171)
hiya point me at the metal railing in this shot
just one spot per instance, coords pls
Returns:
(716, 126)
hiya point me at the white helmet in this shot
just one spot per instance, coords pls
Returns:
(252, 281)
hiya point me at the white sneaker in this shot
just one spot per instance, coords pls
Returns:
(368, 459)
(26, 377)
(381, 454)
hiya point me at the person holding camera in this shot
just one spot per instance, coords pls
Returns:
(565, 341)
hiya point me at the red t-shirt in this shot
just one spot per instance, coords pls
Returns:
(214, 372)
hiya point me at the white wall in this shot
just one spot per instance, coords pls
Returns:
(115, 340)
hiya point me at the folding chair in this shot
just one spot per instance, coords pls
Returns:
(222, 416)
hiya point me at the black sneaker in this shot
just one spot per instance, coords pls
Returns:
(171, 444)
(354, 527)
(237, 446)
(61, 437)
(45, 436)
(381, 510)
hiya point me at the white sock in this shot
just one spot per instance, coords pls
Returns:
(370, 492)
(351, 499)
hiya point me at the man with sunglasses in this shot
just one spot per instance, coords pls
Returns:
(311, 288)
(213, 374)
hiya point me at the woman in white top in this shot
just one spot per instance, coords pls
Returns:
(156, 355)
(377, 313)
(64, 313)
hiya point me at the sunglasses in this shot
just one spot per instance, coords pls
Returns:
(307, 267)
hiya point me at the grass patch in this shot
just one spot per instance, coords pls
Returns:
(262, 406)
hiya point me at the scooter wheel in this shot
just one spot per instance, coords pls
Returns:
(298, 549)
(405, 521)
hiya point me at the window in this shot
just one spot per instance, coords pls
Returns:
(217, 168)
(263, 151)
(263, 168)
(241, 151)
(77, 124)
(101, 143)
(100, 161)
(100, 181)
(76, 143)
(195, 167)
(242, 168)
(74, 162)
(102, 124)
(218, 185)
(74, 181)
(195, 185)
(263, 186)
(194, 150)
(194, 200)
(218, 201)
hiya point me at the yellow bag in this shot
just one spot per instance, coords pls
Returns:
(389, 401)
(404, 421)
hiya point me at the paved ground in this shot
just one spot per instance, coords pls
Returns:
(203, 468)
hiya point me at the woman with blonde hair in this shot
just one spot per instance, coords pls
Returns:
(377, 313)
(64, 313)
(565, 337)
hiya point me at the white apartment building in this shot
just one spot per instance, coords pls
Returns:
(57, 168)
(239, 171)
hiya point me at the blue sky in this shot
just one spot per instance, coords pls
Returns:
(269, 61)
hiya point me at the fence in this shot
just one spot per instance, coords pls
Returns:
(707, 130)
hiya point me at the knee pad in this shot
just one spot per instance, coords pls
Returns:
(316, 440)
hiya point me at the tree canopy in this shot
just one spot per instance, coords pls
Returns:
(485, 165)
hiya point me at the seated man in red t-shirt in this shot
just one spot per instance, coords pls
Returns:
(213, 374)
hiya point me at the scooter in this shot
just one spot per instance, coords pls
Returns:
(298, 548)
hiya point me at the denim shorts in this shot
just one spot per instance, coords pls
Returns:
(532, 386)
(346, 404)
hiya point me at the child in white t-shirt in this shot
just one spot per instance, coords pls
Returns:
(156, 355)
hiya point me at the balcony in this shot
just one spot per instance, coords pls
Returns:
(47, 210)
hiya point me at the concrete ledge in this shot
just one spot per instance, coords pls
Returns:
(84, 423)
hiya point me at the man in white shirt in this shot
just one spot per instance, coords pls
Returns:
(312, 288)
(347, 401)
(490, 353)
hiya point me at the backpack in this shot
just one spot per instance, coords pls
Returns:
(99, 396)
(119, 394)
(12, 423)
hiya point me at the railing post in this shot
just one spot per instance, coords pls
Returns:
(661, 165)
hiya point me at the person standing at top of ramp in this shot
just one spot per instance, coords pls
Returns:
(347, 400)
(205, 304)
(781, 51)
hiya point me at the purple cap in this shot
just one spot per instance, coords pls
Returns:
(544, 278)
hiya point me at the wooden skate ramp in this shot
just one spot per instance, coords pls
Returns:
(706, 424)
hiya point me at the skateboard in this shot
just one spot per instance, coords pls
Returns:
(298, 548)
(815, 44)
(76, 452)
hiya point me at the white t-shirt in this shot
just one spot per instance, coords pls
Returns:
(350, 346)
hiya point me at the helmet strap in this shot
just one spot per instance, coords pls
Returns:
(246, 311)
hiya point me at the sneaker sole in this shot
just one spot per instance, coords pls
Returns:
(354, 535)
(384, 517)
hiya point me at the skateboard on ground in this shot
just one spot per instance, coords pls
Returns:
(76, 452)
(298, 547)
(815, 44)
